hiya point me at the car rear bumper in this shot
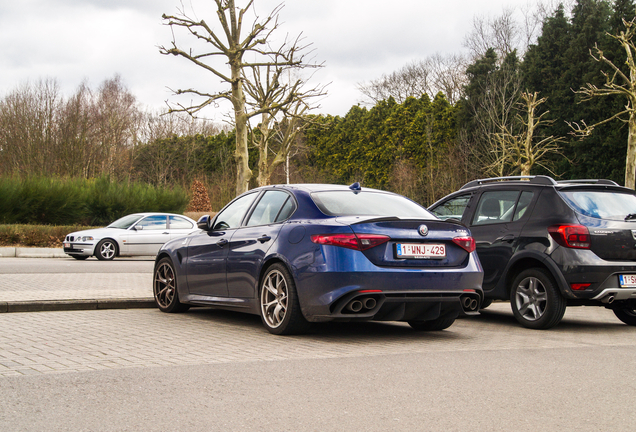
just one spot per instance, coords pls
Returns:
(397, 294)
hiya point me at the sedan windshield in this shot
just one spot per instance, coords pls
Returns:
(346, 203)
(601, 204)
(125, 222)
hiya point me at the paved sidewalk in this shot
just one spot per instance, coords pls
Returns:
(32, 284)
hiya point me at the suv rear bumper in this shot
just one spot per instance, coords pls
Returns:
(585, 267)
(609, 295)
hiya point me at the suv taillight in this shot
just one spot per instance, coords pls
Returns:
(359, 242)
(571, 236)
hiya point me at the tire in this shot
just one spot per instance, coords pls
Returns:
(437, 324)
(627, 314)
(485, 304)
(106, 250)
(80, 257)
(535, 299)
(165, 288)
(279, 305)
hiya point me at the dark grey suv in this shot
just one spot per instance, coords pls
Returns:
(545, 245)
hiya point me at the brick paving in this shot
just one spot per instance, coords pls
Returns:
(74, 286)
(72, 341)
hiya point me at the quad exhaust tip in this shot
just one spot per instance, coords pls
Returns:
(470, 303)
(361, 304)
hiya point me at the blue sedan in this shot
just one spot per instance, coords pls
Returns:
(296, 254)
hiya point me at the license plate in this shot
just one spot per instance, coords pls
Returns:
(67, 245)
(627, 280)
(414, 250)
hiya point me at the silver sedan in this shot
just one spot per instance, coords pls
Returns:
(136, 234)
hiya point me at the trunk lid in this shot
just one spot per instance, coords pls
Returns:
(612, 240)
(413, 242)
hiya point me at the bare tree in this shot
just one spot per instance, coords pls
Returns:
(512, 30)
(493, 109)
(28, 128)
(283, 101)
(618, 83)
(233, 47)
(430, 76)
(117, 121)
(521, 150)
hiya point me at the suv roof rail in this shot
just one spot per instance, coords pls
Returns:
(537, 179)
(591, 181)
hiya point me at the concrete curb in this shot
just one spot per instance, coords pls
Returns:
(31, 252)
(67, 305)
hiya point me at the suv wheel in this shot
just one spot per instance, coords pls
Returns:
(535, 300)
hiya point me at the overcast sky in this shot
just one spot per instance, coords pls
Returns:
(92, 40)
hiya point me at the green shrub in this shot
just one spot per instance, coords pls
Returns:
(56, 201)
(36, 235)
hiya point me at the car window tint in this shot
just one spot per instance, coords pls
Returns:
(232, 215)
(177, 222)
(155, 222)
(287, 210)
(601, 204)
(268, 208)
(453, 208)
(495, 207)
(522, 206)
(349, 203)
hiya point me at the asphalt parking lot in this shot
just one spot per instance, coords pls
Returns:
(209, 370)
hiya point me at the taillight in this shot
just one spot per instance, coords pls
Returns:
(571, 236)
(467, 243)
(351, 241)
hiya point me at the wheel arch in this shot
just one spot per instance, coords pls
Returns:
(267, 263)
(528, 260)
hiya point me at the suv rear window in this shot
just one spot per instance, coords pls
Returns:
(601, 204)
(345, 203)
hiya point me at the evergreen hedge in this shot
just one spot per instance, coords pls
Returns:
(92, 202)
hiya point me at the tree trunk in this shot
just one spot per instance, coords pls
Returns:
(243, 171)
(630, 163)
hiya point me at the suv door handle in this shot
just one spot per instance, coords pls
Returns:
(222, 242)
(264, 238)
(507, 238)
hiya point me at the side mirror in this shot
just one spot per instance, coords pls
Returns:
(204, 223)
(138, 227)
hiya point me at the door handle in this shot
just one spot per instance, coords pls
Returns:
(222, 242)
(264, 238)
(507, 238)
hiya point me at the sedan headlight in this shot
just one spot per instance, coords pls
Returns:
(87, 238)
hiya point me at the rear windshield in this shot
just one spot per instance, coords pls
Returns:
(601, 204)
(346, 203)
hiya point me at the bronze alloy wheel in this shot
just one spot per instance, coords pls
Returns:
(280, 309)
(165, 288)
(274, 296)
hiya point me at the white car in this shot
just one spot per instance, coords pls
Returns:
(135, 234)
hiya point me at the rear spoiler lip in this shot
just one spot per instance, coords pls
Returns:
(373, 219)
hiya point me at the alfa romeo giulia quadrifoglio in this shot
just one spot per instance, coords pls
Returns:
(296, 254)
